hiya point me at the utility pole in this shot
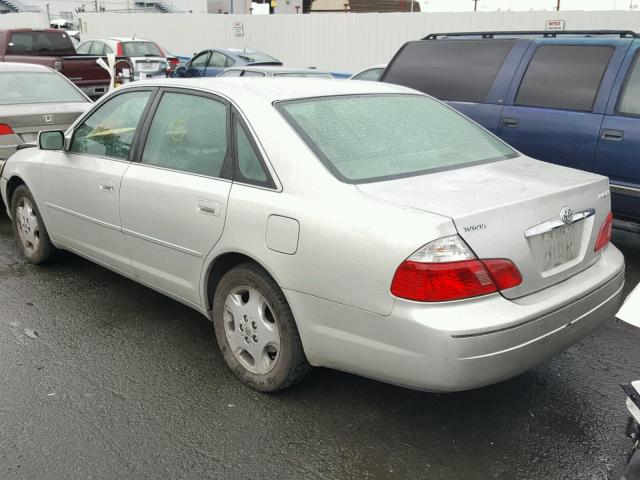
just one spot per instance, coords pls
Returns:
(475, 5)
(48, 15)
(95, 5)
(558, 6)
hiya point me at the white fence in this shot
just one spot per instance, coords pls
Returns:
(338, 42)
(23, 20)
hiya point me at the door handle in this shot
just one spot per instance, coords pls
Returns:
(209, 207)
(510, 122)
(106, 186)
(612, 135)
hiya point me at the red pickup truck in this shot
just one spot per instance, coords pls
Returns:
(53, 48)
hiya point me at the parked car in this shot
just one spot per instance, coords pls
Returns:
(354, 225)
(54, 48)
(34, 98)
(372, 74)
(570, 98)
(273, 71)
(210, 63)
(632, 469)
(145, 56)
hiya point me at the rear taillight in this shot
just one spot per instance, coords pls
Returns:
(57, 65)
(604, 235)
(119, 52)
(447, 269)
(5, 129)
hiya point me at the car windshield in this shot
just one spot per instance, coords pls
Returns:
(257, 57)
(40, 42)
(303, 74)
(34, 87)
(140, 49)
(367, 138)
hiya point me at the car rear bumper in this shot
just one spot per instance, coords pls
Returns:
(460, 345)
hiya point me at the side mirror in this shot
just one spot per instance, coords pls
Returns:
(51, 140)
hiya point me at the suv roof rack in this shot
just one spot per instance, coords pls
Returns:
(543, 33)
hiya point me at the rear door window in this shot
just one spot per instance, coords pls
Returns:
(97, 48)
(217, 60)
(564, 77)
(84, 48)
(462, 70)
(630, 98)
(189, 134)
(140, 49)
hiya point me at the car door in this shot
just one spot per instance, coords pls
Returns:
(556, 103)
(82, 188)
(216, 64)
(618, 153)
(198, 65)
(174, 197)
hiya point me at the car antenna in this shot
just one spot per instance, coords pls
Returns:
(134, 36)
(245, 46)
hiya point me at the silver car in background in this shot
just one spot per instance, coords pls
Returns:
(353, 225)
(35, 98)
(274, 71)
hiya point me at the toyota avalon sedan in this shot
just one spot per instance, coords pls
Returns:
(34, 98)
(359, 226)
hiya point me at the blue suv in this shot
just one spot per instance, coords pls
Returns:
(571, 98)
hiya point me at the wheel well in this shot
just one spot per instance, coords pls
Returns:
(220, 266)
(14, 182)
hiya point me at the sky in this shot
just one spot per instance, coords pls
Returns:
(524, 5)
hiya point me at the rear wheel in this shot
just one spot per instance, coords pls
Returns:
(28, 227)
(256, 330)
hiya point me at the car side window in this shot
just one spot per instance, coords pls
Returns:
(372, 75)
(251, 73)
(231, 73)
(248, 168)
(84, 48)
(630, 98)
(564, 77)
(217, 60)
(188, 133)
(97, 48)
(230, 61)
(110, 129)
(201, 60)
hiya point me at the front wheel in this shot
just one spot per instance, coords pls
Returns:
(28, 227)
(256, 331)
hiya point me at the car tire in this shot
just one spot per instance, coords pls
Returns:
(28, 227)
(256, 331)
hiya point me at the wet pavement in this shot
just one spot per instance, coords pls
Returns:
(103, 378)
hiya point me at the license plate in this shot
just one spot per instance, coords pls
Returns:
(557, 247)
(148, 67)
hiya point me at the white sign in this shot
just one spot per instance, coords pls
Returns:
(238, 29)
(555, 25)
(630, 311)
(259, 8)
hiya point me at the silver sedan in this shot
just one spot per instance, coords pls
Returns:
(34, 98)
(353, 225)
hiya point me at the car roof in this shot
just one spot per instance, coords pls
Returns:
(244, 91)
(276, 69)
(23, 67)
(124, 39)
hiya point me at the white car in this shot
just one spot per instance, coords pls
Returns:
(147, 58)
(354, 225)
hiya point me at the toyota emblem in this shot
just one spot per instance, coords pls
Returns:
(566, 215)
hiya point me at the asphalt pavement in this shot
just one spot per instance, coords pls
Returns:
(103, 378)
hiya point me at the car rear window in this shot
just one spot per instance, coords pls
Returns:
(564, 76)
(303, 75)
(40, 43)
(462, 70)
(140, 49)
(367, 138)
(34, 87)
(257, 57)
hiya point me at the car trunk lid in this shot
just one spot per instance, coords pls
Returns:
(511, 209)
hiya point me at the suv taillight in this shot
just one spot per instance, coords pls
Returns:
(446, 269)
(57, 65)
(119, 50)
(604, 235)
(5, 129)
